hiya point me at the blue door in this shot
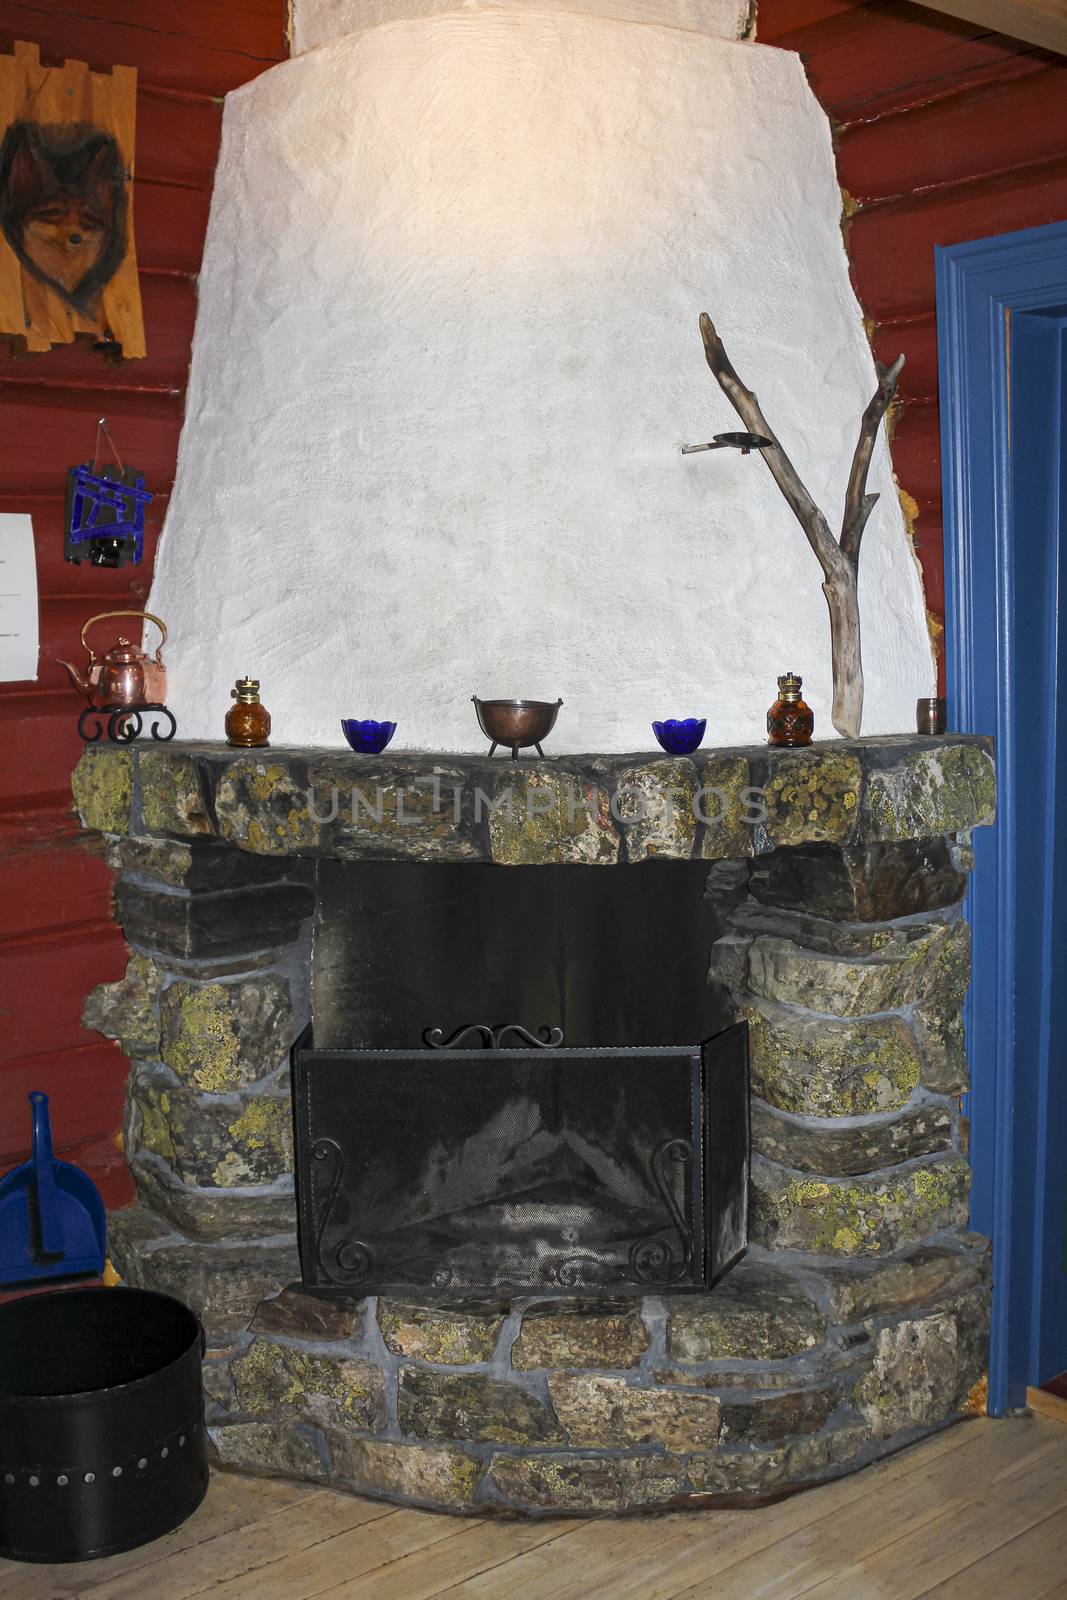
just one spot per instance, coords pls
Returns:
(1002, 338)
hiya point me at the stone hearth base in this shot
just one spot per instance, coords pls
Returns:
(858, 1320)
(785, 1376)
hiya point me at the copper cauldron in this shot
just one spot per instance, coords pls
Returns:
(516, 723)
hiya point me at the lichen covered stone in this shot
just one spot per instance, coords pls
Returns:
(814, 933)
(836, 1147)
(926, 962)
(943, 1049)
(262, 806)
(656, 806)
(820, 1067)
(747, 1375)
(603, 1412)
(751, 1470)
(241, 1142)
(172, 800)
(728, 964)
(861, 883)
(580, 1333)
(223, 1281)
(449, 1333)
(757, 1313)
(728, 821)
(570, 1483)
(308, 1316)
(399, 810)
(941, 790)
(812, 796)
(273, 1448)
(470, 1406)
(217, 1378)
(204, 866)
(146, 1127)
(906, 1283)
(127, 1010)
(165, 860)
(746, 1471)
(762, 1418)
(102, 784)
(221, 1036)
(545, 815)
(259, 1142)
(430, 1475)
(915, 1377)
(208, 1213)
(281, 1379)
(859, 1216)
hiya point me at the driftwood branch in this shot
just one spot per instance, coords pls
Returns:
(839, 560)
(858, 504)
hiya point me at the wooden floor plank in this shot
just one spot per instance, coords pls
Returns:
(977, 1513)
(482, 1549)
(244, 1552)
(1049, 1405)
(232, 1502)
(642, 1557)
(1028, 1567)
(997, 1507)
(307, 1573)
(835, 1555)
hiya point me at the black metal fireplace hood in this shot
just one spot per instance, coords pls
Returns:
(515, 1165)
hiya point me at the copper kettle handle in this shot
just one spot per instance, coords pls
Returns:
(102, 616)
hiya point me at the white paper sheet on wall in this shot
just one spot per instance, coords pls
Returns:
(18, 599)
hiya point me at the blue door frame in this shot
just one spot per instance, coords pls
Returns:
(1001, 622)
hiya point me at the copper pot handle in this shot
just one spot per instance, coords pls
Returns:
(102, 616)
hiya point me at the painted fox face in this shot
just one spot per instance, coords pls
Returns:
(65, 238)
(62, 206)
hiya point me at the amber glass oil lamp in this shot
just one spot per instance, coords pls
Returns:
(247, 722)
(790, 721)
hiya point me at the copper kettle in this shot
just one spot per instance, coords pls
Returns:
(126, 677)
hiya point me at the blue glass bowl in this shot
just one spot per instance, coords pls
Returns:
(367, 738)
(680, 738)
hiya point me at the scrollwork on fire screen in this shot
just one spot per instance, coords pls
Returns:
(651, 1260)
(352, 1260)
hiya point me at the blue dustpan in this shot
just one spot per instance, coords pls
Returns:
(51, 1215)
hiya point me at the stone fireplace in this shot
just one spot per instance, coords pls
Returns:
(827, 916)
(446, 357)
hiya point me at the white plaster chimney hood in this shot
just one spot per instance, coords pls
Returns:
(446, 356)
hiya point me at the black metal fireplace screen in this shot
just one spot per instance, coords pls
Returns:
(520, 1165)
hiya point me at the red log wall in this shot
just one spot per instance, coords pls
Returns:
(57, 938)
(944, 132)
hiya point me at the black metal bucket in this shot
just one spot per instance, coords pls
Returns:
(102, 1441)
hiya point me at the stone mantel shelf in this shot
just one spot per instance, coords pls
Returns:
(590, 809)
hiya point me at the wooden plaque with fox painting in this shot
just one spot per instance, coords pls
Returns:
(68, 266)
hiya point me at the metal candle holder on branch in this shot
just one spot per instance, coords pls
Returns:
(839, 558)
(745, 442)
